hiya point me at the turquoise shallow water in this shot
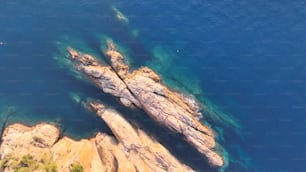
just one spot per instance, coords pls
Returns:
(245, 61)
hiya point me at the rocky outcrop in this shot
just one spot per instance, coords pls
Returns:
(68, 151)
(145, 153)
(20, 139)
(130, 150)
(104, 77)
(143, 88)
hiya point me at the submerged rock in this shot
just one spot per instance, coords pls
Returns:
(119, 15)
(142, 88)
(130, 150)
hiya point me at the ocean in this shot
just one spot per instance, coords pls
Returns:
(245, 61)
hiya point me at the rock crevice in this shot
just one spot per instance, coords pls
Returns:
(143, 89)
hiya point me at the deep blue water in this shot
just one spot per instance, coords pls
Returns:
(246, 57)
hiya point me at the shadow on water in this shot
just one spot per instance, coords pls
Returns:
(79, 122)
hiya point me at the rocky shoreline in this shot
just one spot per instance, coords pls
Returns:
(42, 148)
(130, 149)
(143, 89)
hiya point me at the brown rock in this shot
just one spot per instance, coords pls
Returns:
(121, 68)
(113, 153)
(141, 150)
(67, 151)
(131, 150)
(142, 88)
(20, 139)
(104, 77)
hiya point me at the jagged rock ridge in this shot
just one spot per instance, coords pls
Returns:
(143, 89)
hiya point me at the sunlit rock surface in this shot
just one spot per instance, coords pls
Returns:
(143, 88)
(144, 152)
(20, 139)
(130, 150)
